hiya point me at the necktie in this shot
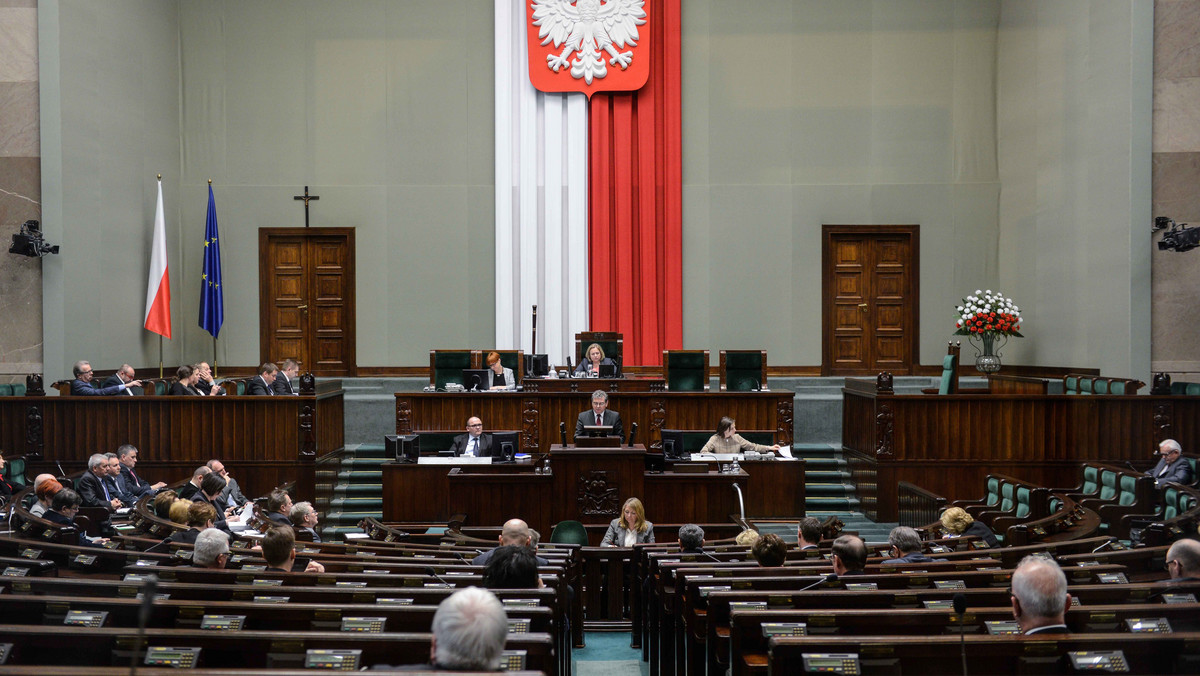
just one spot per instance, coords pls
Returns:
(599, 419)
(136, 480)
(474, 450)
(106, 495)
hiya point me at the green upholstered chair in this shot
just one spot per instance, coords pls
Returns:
(1071, 385)
(241, 386)
(612, 342)
(949, 381)
(1183, 387)
(569, 533)
(1091, 480)
(1117, 387)
(15, 471)
(511, 359)
(1085, 385)
(1099, 386)
(743, 370)
(6, 390)
(686, 370)
(18, 389)
(446, 366)
(1108, 485)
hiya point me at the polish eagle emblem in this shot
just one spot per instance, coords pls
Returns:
(586, 31)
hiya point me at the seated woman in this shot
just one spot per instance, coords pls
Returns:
(769, 551)
(179, 511)
(632, 528)
(63, 508)
(185, 378)
(200, 515)
(593, 358)
(957, 522)
(727, 440)
(162, 503)
(499, 377)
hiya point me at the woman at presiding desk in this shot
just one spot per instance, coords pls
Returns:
(631, 529)
(185, 379)
(593, 359)
(499, 377)
(727, 440)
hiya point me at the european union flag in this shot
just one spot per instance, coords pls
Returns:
(212, 306)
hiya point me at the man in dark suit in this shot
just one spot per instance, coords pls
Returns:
(285, 381)
(231, 497)
(189, 490)
(474, 443)
(849, 555)
(279, 506)
(808, 534)
(600, 415)
(93, 491)
(1039, 596)
(906, 546)
(127, 455)
(1171, 467)
(123, 376)
(261, 383)
(205, 384)
(82, 385)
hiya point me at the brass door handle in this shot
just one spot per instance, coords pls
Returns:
(862, 306)
(301, 307)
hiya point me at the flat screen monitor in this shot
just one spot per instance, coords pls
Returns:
(538, 365)
(475, 379)
(505, 445)
(597, 430)
(608, 370)
(672, 444)
(405, 449)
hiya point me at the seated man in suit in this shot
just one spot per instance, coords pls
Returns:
(231, 498)
(285, 379)
(204, 380)
(1183, 560)
(127, 455)
(93, 491)
(906, 546)
(82, 385)
(263, 382)
(691, 538)
(600, 415)
(808, 534)
(849, 555)
(211, 549)
(279, 551)
(514, 532)
(1171, 467)
(305, 518)
(279, 506)
(123, 376)
(474, 443)
(1039, 596)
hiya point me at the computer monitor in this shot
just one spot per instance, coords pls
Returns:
(537, 365)
(597, 430)
(505, 445)
(672, 445)
(608, 370)
(405, 449)
(475, 379)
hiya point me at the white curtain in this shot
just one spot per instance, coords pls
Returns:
(541, 201)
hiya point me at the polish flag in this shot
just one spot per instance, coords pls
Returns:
(158, 290)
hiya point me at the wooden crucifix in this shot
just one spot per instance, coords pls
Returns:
(306, 197)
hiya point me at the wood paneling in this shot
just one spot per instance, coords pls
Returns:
(948, 444)
(264, 441)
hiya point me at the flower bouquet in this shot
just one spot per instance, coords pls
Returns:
(986, 316)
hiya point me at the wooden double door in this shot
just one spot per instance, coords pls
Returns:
(306, 298)
(870, 307)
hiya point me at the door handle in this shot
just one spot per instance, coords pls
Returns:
(862, 306)
(302, 307)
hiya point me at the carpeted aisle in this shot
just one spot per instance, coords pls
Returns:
(608, 654)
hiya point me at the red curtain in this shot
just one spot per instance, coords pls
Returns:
(636, 202)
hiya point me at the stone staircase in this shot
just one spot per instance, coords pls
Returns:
(370, 414)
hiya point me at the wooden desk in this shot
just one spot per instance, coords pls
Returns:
(948, 444)
(538, 413)
(264, 441)
(585, 484)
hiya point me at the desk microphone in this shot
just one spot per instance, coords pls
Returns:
(633, 427)
(149, 588)
(832, 577)
(711, 556)
(757, 386)
(433, 573)
(960, 607)
(61, 472)
(1106, 543)
(562, 433)
(460, 558)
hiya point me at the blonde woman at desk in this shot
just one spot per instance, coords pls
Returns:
(727, 440)
(631, 529)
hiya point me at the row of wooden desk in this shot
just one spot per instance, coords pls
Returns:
(588, 485)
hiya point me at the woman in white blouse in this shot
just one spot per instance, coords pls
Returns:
(632, 528)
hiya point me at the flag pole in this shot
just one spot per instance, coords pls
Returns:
(160, 366)
(214, 356)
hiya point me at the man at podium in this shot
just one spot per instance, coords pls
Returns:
(599, 415)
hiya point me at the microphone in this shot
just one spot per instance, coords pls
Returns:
(562, 432)
(149, 587)
(1106, 543)
(960, 607)
(711, 556)
(832, 577)
(741, 503)
(460, 556)
(61, 472)
(633, 427)
(757, 386)
(433, 573)
(570, 369)
(1130, 466)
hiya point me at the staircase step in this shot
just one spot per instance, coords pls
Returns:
(361, 475)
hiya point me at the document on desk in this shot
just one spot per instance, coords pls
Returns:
(785, 453)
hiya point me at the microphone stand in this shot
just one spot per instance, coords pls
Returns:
(433, 573)
(960, 607)
(149, 588)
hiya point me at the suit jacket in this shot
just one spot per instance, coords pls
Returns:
(617, 532)
(1179, 471)
(279, 518)
(61, 520)
(187, 491)
(482, 559)
(510, 381)
(219, 525)
(257, 385)
(981, 529)
(92, 491)
(282, 384)
(232, 495)
(204, 387)
(115, 381)
(460, 444)
(583, 367)
(316, 537)
(117, 489)
(179, 389)
(134, 486)
(912, 557)
(1049, 629)
(611, 417)
(183, 536)
(82, 389)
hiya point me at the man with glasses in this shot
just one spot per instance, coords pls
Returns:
(1183, 560)
(82, 385)
(231, 499)
(474, 443)
(1171, 467)
(205, 384)
(124, 375)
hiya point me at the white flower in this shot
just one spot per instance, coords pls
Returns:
(977, 292)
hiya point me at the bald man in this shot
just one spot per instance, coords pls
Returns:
(1039, 596)
(1183, 560)
(515, 532)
